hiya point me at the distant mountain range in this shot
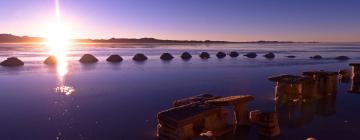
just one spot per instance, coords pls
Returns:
(9, 38)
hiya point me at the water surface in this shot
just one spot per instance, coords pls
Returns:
(120, 101)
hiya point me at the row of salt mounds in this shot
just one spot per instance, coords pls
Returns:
(88, 58)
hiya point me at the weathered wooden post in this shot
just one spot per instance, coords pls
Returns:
(355, 69)
(194, 99)
(288, 87)
(325, 82)
(355, 83)
(240, 107)
(187, 121)
(217, 123)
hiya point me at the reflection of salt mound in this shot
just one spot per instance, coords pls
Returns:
(221, 55)
(51, 60)
(166, 56)
(114, 58)
(186, 56)
(88, 58)
(12, 62)
(139, 57)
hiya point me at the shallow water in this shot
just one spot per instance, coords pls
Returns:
(120, 101)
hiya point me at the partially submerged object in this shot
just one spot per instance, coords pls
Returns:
(166, 57)
(269, 55)
(114, 58)
(12, 62)
(194, 99)
(342, 58)
(239, 104)
(220, 55)
(51, 60)
(251, 55)
(317, 57)
(325, 81)
(186, 56)
(234, 54)
(204, 55)
(189, 121)
(88, 58)
(312, 85)
(290, 56)
(290, 87)
(202, 115)
(139, 57)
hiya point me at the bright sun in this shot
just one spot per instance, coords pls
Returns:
(58, 38)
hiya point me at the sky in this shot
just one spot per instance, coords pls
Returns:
(230, 20)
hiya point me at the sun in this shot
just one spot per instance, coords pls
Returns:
(58, 42)
(57, 37)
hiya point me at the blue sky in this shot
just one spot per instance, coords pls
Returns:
(233, 20)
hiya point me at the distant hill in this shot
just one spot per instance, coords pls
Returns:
(144, 40)
(8, 38)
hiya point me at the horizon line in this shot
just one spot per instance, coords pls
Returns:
(225, 41)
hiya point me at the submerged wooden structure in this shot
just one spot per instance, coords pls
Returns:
(312, 85)
(202, 115)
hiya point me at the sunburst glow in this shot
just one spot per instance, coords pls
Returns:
(58, 41)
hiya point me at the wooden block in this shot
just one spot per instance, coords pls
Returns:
(231, 100)
(194, 99)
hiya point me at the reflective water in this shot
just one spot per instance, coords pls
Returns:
(120, 101)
